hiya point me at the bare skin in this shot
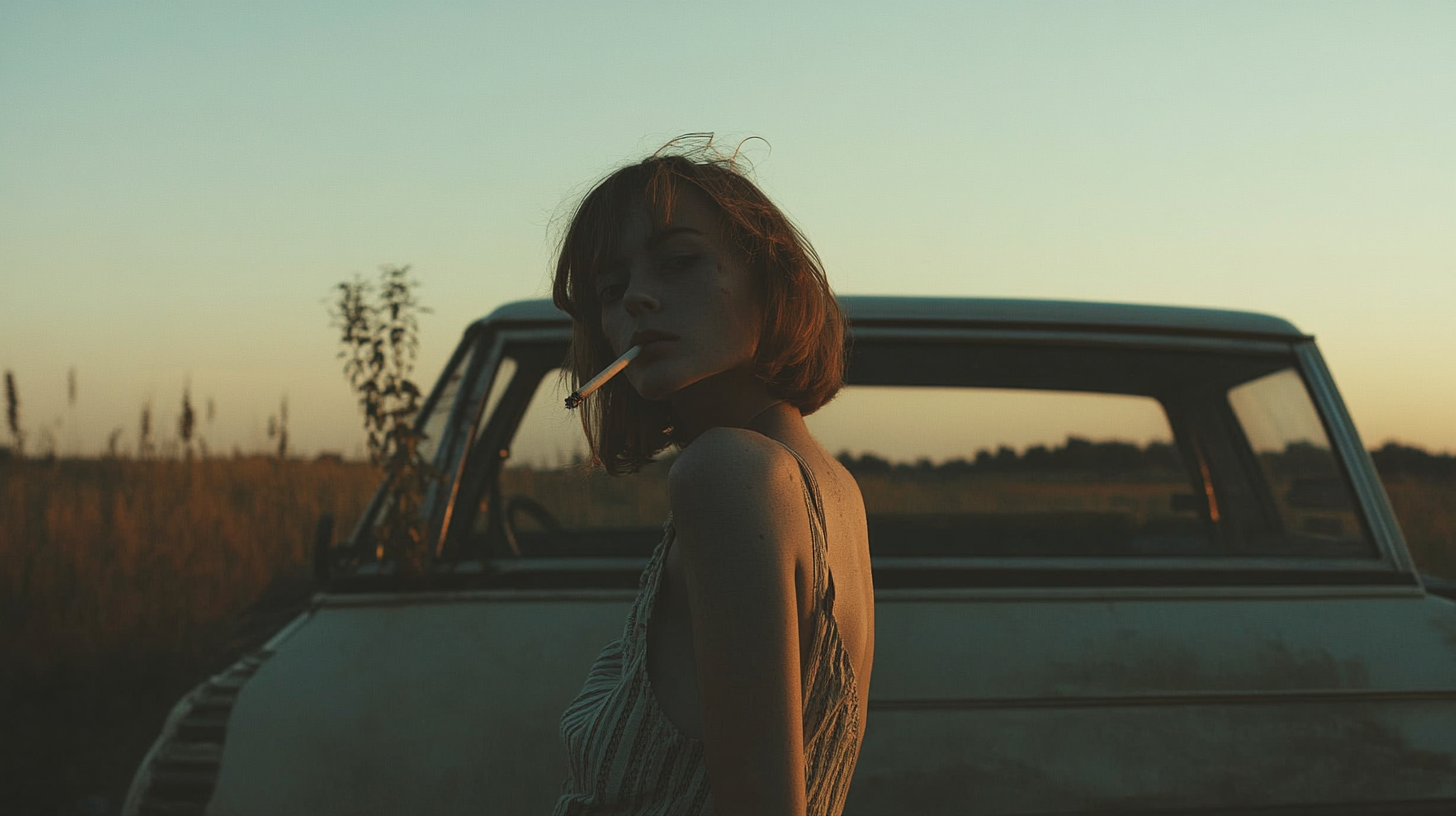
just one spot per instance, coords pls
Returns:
(730, 633)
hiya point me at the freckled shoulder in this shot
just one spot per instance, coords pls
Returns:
(734, 479)
(722, 459)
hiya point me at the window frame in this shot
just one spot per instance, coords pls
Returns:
(1391, 565)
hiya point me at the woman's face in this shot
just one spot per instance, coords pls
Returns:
(681, 292)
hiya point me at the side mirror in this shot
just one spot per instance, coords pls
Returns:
(323, 544)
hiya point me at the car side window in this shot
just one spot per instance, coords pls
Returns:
(1014, 472)
(1315, 508)
(549, 502)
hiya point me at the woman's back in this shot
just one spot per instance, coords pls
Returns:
(642, 691)
(671, 653)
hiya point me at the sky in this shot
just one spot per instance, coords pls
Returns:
(182, 184)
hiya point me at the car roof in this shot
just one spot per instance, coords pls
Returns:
(875, 310)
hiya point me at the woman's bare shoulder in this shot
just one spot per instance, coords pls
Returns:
(735, 480)
(721, 456)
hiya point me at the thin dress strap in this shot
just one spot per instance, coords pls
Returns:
(818, 530)
(830, 688)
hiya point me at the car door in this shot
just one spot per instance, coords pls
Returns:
(1136, 575)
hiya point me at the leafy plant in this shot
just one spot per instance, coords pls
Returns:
(379, 339)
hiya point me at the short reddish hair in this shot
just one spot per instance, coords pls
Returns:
(800, 350)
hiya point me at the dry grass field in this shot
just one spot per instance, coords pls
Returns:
(1427, 513)
(123, 583)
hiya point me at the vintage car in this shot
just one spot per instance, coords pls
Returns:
(1127, 559)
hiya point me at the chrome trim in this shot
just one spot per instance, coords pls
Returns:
(332, 600)
(1102, 594)
(1081, 335)
(997, 311)
(911, 595)
(1316, 696)
(1050, 336)
(272, 644)
(1132, 563)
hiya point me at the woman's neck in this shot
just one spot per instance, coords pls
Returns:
(732, 399)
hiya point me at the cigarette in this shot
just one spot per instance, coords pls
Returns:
(601, 379)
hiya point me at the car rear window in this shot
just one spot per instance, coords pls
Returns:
(984, 451)
(1006, 472)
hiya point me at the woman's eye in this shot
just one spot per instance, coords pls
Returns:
(674, 263)
(611, 293)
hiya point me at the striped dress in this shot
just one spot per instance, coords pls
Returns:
(626, 758)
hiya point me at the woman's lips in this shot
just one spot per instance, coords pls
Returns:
(652, 349)
(648, 339)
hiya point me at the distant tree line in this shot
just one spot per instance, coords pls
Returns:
(1079, 455)
(1076, 455)
(1394, 460)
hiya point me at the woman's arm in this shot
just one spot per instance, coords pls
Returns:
(739, 512)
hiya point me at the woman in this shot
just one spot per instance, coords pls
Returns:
(739, 683)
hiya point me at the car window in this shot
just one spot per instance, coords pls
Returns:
(1014, 473)
(550, 502)
(437, 414)
(1315, 506)
(990, 450)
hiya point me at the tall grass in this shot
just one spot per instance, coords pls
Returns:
(1427, 514)
(115, 560)
(120, 581)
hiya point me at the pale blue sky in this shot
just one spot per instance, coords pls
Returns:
(182, 183)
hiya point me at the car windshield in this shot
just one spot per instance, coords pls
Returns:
(974, 450)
